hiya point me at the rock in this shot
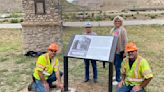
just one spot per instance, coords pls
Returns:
(70, 90)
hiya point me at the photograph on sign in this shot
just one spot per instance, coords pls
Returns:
(80, 46)
(91, 47)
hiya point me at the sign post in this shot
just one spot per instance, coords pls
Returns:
(110, 77)
(100, 48)
(65, 74)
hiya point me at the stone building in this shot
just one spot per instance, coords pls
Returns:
(42, 25)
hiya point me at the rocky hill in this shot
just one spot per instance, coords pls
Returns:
(69, 6)
(120, 4)
(8, 6)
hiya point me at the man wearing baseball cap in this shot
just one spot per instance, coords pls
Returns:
(136, 72)
(88, 31)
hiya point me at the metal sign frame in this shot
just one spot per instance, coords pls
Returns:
(111, 60)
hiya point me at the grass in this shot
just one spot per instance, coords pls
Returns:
(16, 69)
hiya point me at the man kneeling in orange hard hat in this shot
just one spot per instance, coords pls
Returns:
(47, 71)
(136, 72)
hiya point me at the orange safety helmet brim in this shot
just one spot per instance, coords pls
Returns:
(131, 46)
(53, 47)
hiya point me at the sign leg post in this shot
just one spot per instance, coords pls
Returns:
(103, 64)
(65, 74)
(110, 86)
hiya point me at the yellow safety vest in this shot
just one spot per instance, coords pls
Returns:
(44, 65)
(139, 71)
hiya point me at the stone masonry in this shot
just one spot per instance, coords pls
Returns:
(41, 29)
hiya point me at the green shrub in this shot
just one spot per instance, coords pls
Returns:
(65, 16)
(128, 16)
(124, 17)
(100, 11)
(153, 16)
(15, 15)
(98, 18)
(111, 17)
(134, 17)
(89, 19)
(14, 21)
(72, 15)
(5, 20)
(21, 20)
(92, 14)
(121, 15)
(138, 12)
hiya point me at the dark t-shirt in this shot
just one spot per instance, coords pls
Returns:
(131, 63)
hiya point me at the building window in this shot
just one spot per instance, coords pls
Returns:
(40, 7)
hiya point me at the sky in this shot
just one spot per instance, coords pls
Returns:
(69, 0)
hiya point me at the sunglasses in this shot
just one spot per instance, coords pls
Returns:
(117, 21)
(131, 52)
(53, 51)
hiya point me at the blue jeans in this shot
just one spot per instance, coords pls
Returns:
(87, 63)
(125, 88)
(117, 62)
(38, 84)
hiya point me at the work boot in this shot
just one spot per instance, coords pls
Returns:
(95, 81)
(86, 80)
(53, 86)
(30, 87)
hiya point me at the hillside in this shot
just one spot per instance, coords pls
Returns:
(69, 6)
(120, 4)
(8, 6)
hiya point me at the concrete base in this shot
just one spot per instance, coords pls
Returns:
(69, 90)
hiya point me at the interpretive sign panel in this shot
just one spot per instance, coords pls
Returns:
(92, 47)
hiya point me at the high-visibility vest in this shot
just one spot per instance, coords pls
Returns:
(44, 65)
(139, 71)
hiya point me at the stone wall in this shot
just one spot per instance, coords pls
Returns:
(50, 9)
(39, 30)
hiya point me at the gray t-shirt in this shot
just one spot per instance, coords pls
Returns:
(92, 33)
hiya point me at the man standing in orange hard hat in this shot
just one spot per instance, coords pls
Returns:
(136, 72)
(47, 71)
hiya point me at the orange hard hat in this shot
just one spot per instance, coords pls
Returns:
(53, 47)
(131, 46)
